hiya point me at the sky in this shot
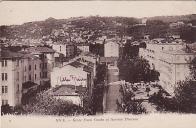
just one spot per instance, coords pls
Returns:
(13, 12)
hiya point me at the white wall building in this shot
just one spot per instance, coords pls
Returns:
(69, 93)
(66, 49)
(11, 78)
(19, 68)
(83, 47)
(68, 75)
(171, 60)
(111, 49)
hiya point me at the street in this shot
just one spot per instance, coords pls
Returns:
(112, 93)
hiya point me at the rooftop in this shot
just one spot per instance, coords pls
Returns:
(108, 59)
(28, 84)
(88, 54)
(39, 50)
(6, 54)
(76, 64)
(68, 90)
(180, 52)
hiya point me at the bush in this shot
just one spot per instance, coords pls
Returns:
(6, 109)
(129, 105)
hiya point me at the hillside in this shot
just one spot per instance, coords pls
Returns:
(170, 19)
(92, 27)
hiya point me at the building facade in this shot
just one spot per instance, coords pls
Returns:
(68, 50)
(170, 59)
(68, 75)
(16, 69)
(11, 78)
(111, 49)
(83, 47)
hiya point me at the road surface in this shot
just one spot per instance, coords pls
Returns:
(112, 93)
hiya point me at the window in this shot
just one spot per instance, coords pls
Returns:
(4, 63)
(35, 67)
(45, 65)
(25, 68)
(18, 76)
(35, 76)
(18, 88)
(4, 76)
(40, 75)
(4, 89)
(17, 64)
(4, 102)
(25, 78)
(40, 65)
(30, 77)
(29, 67)
(45, 75)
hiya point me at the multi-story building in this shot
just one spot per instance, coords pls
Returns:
(174, 67)
(67, 49)
(80, 71)
(46, 56)
(155, 47)
(170, 59)
(19, 68)
(111, 48)
(82, 47)
(11, 77)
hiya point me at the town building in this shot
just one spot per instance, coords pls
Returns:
(69, 93)
(170, 59)
(46, 56)
(69, 75)
(82, 47)
(176, 24)
(67, 49)
(11, 69)
(111, 48)
(79, 71)
(30, 65)
(16, 70)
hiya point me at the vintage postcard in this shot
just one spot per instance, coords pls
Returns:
(98, 64)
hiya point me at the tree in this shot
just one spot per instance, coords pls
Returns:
(139, 69)
(188, 34)
(98, 88)
(185, 96)
(45, 104)
(136, 70)
(193, 69)
(129, 104)
(184, 100)
(6, 109)
(130, 51)
(163, 103)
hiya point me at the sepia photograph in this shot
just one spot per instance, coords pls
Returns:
(98, 64)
